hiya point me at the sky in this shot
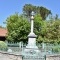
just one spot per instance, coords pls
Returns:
(9, 7)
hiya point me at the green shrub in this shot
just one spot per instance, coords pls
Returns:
(3, 46)
(56, 49)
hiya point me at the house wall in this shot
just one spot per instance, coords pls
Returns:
(2, 38)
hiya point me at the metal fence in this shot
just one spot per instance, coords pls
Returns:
(45, 48)
(14, 47)
(49, 48)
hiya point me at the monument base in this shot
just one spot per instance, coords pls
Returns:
(31, 48)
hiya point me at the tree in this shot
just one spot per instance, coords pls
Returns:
(56, 17)
(18, 28)
(38, 23)
(50, 31)
(28, 8)
(41, 38)
(44, 12)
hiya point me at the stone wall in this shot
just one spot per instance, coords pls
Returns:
(9, 56)
(53, 57)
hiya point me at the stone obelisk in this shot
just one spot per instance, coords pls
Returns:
(31, 47)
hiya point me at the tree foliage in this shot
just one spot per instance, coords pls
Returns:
(44, 12)
(46, 31)
(50, 32)
(38, 22)
(18, 28)
(28, 8)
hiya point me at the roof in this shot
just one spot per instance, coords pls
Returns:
(3, 32)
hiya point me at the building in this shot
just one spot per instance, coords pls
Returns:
(3, 34)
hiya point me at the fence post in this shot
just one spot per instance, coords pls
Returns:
(45, 57)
